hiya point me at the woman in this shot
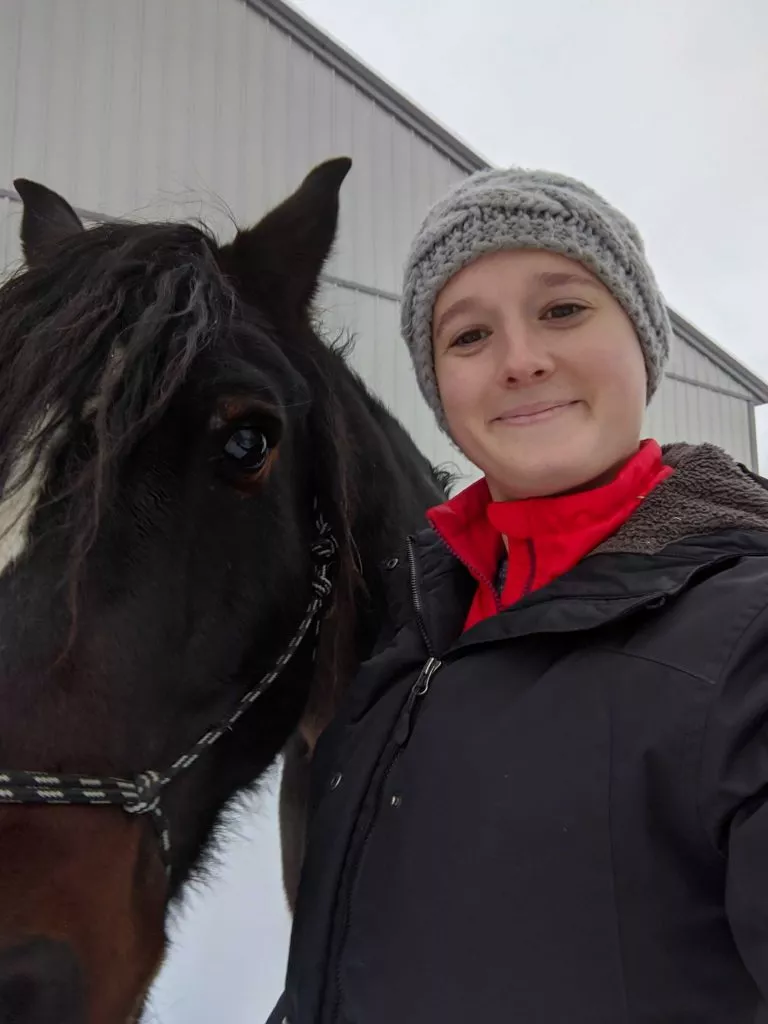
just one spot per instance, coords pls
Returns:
(544, 798)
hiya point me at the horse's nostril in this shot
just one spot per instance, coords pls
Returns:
(41, 983)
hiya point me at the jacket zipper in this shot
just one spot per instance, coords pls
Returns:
(401, 733)
(418, 607)
(404, 725)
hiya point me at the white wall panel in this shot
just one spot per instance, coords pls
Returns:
(10, 247)
(687, 362)
(380, 356)
(684, 412)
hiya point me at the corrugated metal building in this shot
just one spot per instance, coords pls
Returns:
(219, 107)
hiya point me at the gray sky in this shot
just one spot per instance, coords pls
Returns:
(662, 105)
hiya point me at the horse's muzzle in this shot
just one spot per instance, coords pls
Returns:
(41, 983)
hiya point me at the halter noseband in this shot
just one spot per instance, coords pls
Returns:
(142, 794)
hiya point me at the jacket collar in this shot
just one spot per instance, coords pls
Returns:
(709, 513)
(601, 589)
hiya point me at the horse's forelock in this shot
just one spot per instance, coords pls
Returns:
(106, 331)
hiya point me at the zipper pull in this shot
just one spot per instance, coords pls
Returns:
(418, 690)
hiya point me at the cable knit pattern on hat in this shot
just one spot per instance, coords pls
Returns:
(518, 209)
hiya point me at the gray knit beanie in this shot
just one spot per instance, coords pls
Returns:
(519, 209)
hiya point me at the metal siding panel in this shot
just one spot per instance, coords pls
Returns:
(238, 17)
(716, 423)
(386, 342)
(121, 161)
(36, 55)
(320, 106)
(152, 103)
(277, 121)
(10, 56)
(700, 404)
(203, 160)
(253, 128)
(687, 396)
(424, 191)
(740, 443)
(64, 163)
(682, 401)
(675, 410)
(225, 139)
(344, 262)
(365, 348)
(98, 113)
(362, 193)
(690, 363)
(708, 424)
(383, 184)
(653, 424)
(177, 95)
(731, 432)
(423, 196)
(10, 247)
(684, 412)
(298, 102)
(735, 435)
(404, 213)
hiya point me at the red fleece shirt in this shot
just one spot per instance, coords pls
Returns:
(545, 536)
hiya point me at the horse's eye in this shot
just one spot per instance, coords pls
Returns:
(248, 447)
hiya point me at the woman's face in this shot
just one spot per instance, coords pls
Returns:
(540, 373)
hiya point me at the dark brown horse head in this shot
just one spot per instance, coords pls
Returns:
(168, 422)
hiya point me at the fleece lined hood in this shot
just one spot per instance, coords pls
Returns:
(708, 492)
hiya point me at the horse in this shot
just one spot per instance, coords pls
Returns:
(197, 494)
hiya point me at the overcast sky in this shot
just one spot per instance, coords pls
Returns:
(662, 105)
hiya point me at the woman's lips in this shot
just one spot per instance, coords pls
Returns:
(536, 412)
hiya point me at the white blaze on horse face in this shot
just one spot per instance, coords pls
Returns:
(18, 509)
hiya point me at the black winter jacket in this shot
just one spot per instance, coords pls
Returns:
(559, 816)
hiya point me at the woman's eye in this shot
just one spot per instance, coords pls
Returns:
(248, 448)
(562, 311)
(468, 338)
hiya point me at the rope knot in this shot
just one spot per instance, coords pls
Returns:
(145, 797)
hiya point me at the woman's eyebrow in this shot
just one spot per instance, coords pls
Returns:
(554, 279)
(460, 306)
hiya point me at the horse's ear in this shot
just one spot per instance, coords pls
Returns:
(278, 262)
(47, 218)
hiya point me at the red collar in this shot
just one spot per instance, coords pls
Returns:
(558, 530)
(537, 517)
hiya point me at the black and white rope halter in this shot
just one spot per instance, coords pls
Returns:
(143, 793)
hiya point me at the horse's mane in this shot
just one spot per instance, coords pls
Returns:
(101, 332)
